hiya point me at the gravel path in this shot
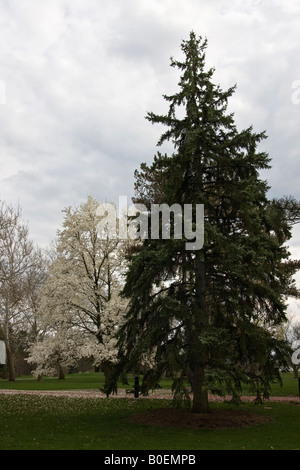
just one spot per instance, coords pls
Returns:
(158, 394)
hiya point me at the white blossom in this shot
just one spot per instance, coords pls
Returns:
(81, 295)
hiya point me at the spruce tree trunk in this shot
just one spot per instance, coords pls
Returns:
(200, 394)
(199, 351)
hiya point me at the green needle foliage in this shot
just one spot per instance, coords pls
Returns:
(208, 314)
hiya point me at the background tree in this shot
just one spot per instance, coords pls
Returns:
(290, 331)
(294, 339)
(81, 294)
(203, 312)
(21, 274)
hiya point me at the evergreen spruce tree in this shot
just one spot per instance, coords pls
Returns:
(206, 315)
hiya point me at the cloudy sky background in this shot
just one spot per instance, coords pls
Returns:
(77, 78)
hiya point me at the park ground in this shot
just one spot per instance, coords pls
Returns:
(73, 414)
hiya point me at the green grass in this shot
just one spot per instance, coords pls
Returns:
(50, 423)
(89, 380)
(59, 423)
(289, 386)
(93, 380)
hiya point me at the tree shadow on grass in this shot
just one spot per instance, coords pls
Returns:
(184, 419)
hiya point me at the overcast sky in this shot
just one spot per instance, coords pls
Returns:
(77, 78)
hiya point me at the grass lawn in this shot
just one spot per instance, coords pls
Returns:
(81, 381)
(51, 423)
(94, 380)
(61, 423)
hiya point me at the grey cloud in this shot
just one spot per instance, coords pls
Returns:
(81, 76)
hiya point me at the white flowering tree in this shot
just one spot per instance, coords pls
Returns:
(52, 355)
(81, 295)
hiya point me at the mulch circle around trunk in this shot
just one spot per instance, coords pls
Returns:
(185, 419)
